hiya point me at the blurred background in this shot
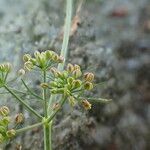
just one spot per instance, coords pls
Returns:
(110, 38)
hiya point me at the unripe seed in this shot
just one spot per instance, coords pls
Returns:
(70, 80)
(60, 59)
(21, 72)
(64, 74)
(89, 76)
(26, 57)
(70, 68)
(49, 54)
(44, 85)
(56, 106)
(55, 72)
(7, 67)
(76, 83)
(41, 60)
(77, 67)
(28, 66)
(86, 104)
(88, 86)
(11, 133)
(55, 57)
(36, 54)
(19, 118)
(77, 73)
(4, 111)
(5, 121)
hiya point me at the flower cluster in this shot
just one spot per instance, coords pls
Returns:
(72, 83)
(5, 68)
(41, 60)
(5, 133)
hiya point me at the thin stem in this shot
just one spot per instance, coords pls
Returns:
(98, 100)
(50, 134)
(67, 27)
(57, 110)
(29, 127)
(44, 95)
(30, 91)
(23, 102)
(17, 91)
(6, 76)
(47, 140)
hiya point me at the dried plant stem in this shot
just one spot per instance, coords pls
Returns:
(66, 34)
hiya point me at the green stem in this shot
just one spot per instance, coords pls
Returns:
(29, 127)
(48, 129)
(50, 118)
(44, 95)
(30, 91)
(66, 35)
(47, 140)
(50, 134)
(23, 102)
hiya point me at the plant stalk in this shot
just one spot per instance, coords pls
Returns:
(47, 140)
(66, 35)
(46, 127)
(29, 127)
(44, 95)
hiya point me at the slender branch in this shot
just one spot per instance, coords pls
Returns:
(57, 110)
(98, 100)
(30, 91)
(29, 127)
(17, 91)
(23, 102)
(6, 76)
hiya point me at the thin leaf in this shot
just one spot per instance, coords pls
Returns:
(99, 100)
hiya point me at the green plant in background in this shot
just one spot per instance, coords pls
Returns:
(58, 86)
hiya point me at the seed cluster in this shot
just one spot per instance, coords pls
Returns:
(41, 60)
(5, 68)
(5, 133)
(72, 83)
(5, 121)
